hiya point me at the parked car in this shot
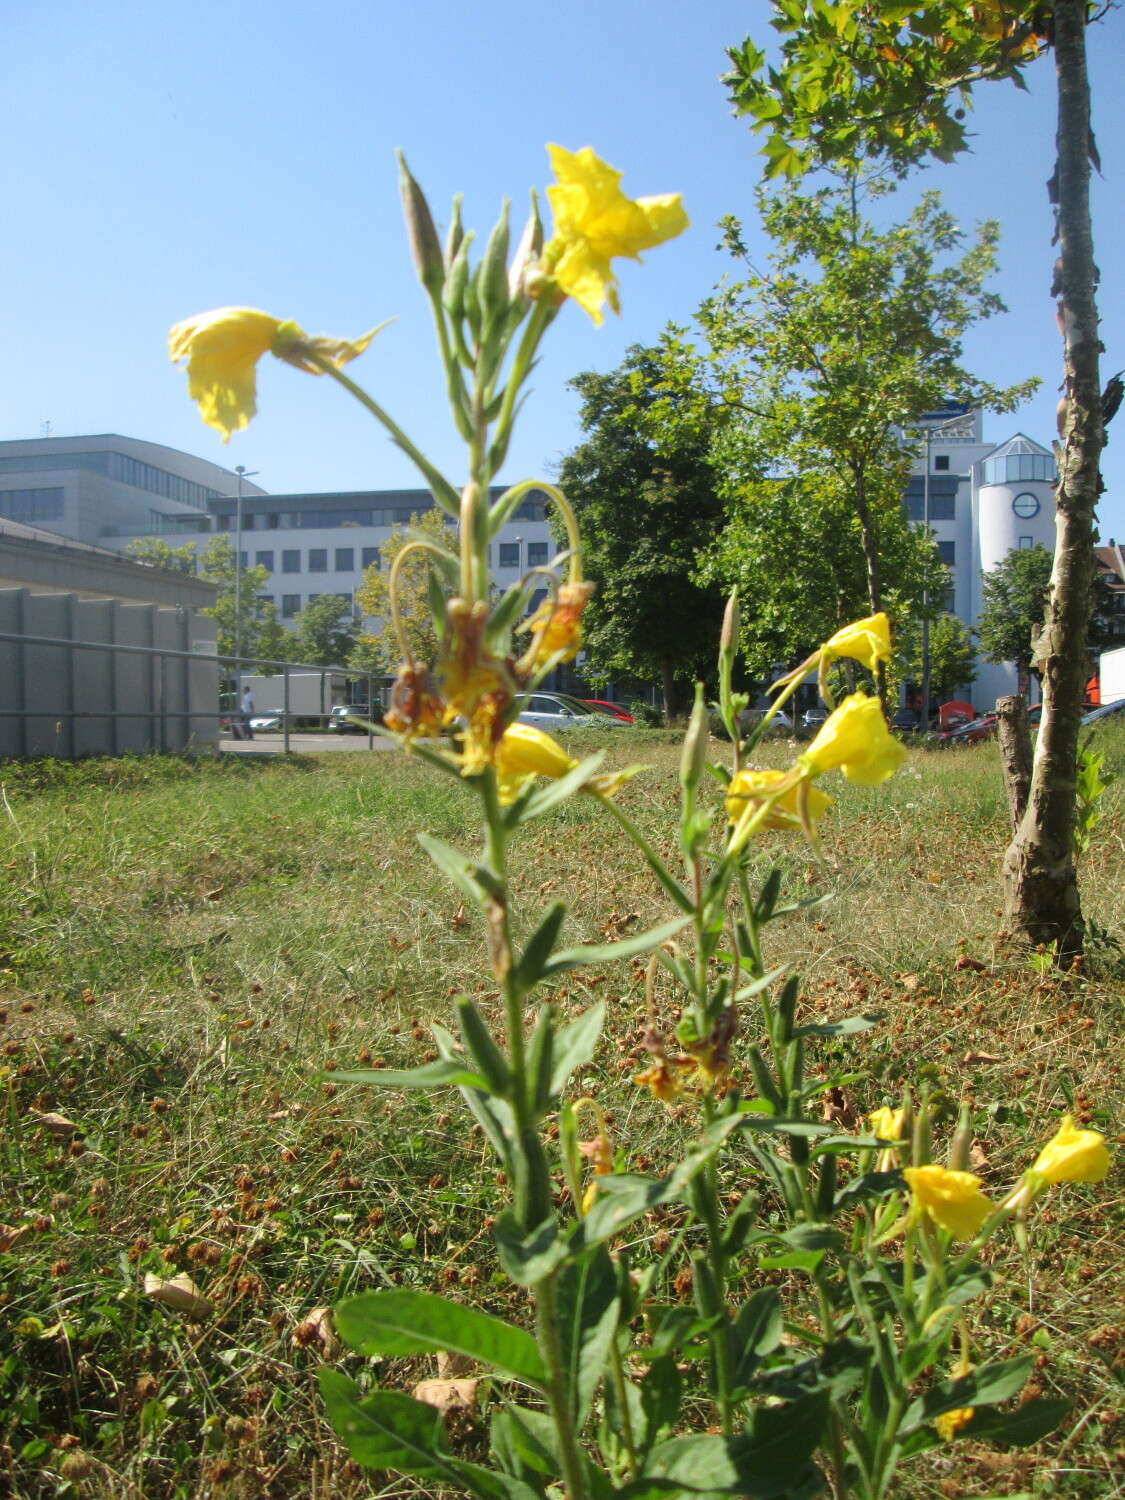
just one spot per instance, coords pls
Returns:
(614, 710)
(346, 718)
(555, 711)
(265, 722)
(1104, 711)
(813, 718)
(906, 721)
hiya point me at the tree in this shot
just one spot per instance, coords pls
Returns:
(648, 504)
(893, 83)
(1014, 597)
(952, 658)
(382, 652)
(326, 631)
(240, 615)
(159, 554)
(848, 336)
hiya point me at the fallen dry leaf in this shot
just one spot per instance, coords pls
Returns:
(180, 1293)
(56, 1124)
(447, 1395)
(11, 1235)
(977, 1159)
(458, 919)
(837, 1109)
(980, 1057)
(454, 1366)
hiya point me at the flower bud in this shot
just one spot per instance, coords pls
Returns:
(455, 234)
(728, 638)
(527, 253)
(694, 754)
(424, 246)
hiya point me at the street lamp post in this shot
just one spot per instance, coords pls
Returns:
(242, 471)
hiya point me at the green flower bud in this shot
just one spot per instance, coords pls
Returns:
(424, 246)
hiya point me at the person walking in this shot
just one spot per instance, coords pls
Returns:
(247, 713)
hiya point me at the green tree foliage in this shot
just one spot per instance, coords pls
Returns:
(157, 553)
(1015, 598)
(892, 84)
(953, 657)
(326, 631)
(843, 341)
(648, 504)
(383, 650)
(241, 617)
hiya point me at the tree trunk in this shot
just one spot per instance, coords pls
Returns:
(668, 688)
(1040, 885)
(1015, 754)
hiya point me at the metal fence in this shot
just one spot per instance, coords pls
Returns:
(66, 692)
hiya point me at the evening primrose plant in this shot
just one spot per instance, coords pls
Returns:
(785, 1338)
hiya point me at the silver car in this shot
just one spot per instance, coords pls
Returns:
(559, 711)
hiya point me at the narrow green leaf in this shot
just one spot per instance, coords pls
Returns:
(428, 1076)
(575, 1045)
(998, 1381)
(757, 1331)
(848, 1027)
(408, 1322)
(544, 798)
(528, 1258)
(471, 879)
(588, 1317)
(530, 966)
(599, 953)
(525, 1443)
(792, 1260)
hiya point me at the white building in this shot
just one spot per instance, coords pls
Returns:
(981, 501)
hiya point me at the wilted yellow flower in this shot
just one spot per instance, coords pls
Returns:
(952, 1199)
(888, 1124)
(223, 348)
(948, 1423)
(555, 627)
(1073, 1155)
(415, 708)
(594, 221)
(661, 1079)
(855, 740)
(752, 788)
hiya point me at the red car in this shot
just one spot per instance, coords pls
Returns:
(615, 711)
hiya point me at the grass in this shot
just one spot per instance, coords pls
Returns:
(188, 951)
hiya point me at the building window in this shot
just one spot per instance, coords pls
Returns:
(290, 606)
(249, 520)
(1026, 543)
(32, 505)
(371, 558)
(243, 559)
(509, 555)
(273, 521)
(941, 463)
(263, 560)
(536, 600)
(223, 523)
(943, 499)
(345, 559)
(947, 551)
(318, 559)
(536, 554)
(291, 561)
(1026, 505)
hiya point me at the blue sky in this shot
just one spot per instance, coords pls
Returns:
(161, 160)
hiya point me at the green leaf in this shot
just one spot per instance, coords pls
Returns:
(848, 1027)
(575, 1045)
(836, 1369)
(528, 1258)
(661, 1392)
(428, 1076)
(530, 966)
(588, 1310)
(407, 1322)
(792, 1260)
(757, 1331)
(386, 1430)
(525, 1442)
(544, 798)
(1020, 1428)
(813, 1237)
(471, 879)
(769, 1461)
(998, 1381)
(599, 953)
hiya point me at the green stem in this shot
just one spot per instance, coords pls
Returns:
(550, 1344)
(443, 492)
(617, 1372)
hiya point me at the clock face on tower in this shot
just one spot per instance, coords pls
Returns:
(1026, 505)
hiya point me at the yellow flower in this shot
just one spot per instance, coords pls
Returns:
(866, 641)
(952, 1199)
(948, 1423)
(1073, 1155)
(594, 221)
(524, 752)
(223, 348)
(888, 1124)
(855, 740)
(752, 788)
